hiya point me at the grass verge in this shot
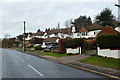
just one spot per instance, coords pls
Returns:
(54, 54)
(103, 61)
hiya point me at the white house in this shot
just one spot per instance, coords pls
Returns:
(118, 29)
(28, 37)
(88, 32)
(61, 33)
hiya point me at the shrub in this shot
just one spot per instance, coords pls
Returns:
(38, 47)
(111, 41)
(46, 50)
(73, 43)
(31, 46)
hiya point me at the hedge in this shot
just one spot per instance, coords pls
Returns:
(38, 47)
(73, 43)
(111, 41)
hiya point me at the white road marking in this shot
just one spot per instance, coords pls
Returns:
(21, 59)
(35, 70)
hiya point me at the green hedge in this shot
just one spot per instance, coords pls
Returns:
(38, 47)
(111, 41)
(73, 43)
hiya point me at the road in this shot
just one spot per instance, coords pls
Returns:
(16, 64)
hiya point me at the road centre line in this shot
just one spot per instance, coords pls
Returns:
(35, 70)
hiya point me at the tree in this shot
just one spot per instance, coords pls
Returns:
(38, 30)
(106, 18)
(81, 22)
(68, 25)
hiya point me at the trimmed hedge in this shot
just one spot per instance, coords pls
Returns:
(73, 43)
(38, 47)
(111, 41)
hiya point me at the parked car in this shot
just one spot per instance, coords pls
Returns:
(51, 46)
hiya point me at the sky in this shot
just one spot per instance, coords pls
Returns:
(40, 14)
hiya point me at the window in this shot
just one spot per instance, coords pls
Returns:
(48, 36)
(84, 33)
(94, 33)
(78, 34)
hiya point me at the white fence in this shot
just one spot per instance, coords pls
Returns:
(73, 50)
(109, 53)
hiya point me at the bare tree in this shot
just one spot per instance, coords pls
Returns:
(7, 35)
(68, 25)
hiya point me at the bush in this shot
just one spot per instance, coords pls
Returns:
(38, 47)
(31, 46)
(46, 50)
(111, 41)
(73, 43)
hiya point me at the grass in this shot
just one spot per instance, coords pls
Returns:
(30, 50)
(54, 54)
(103, 61)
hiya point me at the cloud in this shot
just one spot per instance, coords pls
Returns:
(46, 14)
(59, 0)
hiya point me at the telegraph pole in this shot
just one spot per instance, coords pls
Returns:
(24, 47)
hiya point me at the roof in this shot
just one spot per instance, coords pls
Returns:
(83, 30)
(107, 30)
(53, 39)
(38, 34)
(64, 30)
(91, 28)
(94, 27)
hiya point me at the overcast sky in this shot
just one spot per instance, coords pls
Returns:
(40, 14)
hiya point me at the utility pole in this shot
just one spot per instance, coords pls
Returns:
(24, 47)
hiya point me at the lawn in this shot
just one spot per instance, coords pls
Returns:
(103, 61)
(54, 54)
(30, 50)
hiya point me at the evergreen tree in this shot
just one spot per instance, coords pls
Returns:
(106, 18)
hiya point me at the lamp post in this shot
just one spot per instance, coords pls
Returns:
(24, 47)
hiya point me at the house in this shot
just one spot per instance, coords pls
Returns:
(88, 31)
(107, 30)
(52, 40)
(61, 33)
(118, 29)
(36, 35)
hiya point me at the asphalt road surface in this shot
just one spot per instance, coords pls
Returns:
(16, 64)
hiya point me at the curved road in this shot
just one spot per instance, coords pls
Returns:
(16, 64)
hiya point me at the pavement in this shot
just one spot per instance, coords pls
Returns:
(17, 64)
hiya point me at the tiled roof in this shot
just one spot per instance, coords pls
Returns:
(83, 30)
(38, 34)
(53, 39)
(107, 30)
(91, 28)
(94, 27)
